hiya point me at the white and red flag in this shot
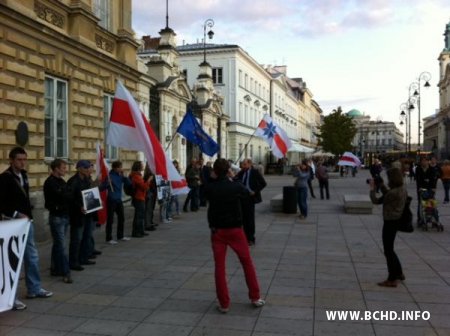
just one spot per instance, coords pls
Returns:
(274, 135)
(128, 128)
(349, 159)
(102, 169)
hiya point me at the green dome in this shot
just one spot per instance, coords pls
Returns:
(354, 113)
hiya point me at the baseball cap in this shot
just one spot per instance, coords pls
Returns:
(84, 164)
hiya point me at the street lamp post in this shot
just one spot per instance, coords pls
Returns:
(208, 23)
(425, 77)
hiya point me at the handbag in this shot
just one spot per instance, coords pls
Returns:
(405, 223)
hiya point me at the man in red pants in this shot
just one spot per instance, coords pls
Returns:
(225, 222)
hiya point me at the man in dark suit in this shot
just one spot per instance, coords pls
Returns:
(254, 182)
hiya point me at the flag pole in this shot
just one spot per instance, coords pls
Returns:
(170, 142)
(243, 150)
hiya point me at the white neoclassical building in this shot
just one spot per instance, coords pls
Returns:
(249, 91)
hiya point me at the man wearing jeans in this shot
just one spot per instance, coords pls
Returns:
(15, 203)
(225, 221)
(56, 196)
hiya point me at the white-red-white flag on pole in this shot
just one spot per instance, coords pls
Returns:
(128, 128)
(102, 173)
(274, 135)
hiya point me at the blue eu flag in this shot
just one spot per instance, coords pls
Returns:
(193, 132)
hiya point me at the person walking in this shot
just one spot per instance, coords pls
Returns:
(225, 222)
(255, 183)
(393, 199)
(426, 178)
(302, 174)
(322, 177)
(15, 203)
(56, 196)
(115, 204)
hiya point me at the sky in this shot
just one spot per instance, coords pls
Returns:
(357, 54)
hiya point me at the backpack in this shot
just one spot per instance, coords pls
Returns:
(129, 189)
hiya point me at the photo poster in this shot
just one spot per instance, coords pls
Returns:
(162, 188)
(91, 199)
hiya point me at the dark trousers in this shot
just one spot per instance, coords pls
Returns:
(76, 233)
(115, 207)
(193, 197)
(323, 184)
(139, 218)
(58, 229)
(87, 244)
(393, 263)
(248, 214)
(149, 208)
(311, 190)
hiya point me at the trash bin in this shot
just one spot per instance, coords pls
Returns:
(290, 200)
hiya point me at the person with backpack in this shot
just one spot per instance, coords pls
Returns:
(138, 200)
(115, 204)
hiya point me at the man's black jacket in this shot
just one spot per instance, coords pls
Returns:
(14, 197)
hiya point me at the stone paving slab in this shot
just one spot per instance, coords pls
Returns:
(163, 284)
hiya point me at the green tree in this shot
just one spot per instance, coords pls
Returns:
(337, 132)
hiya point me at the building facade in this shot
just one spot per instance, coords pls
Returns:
(60, 62)
(440, 125)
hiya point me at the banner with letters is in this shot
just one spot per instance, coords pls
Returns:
(13, 240)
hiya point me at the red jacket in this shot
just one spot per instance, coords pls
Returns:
(140, 185)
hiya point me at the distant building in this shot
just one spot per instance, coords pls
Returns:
(374, 138)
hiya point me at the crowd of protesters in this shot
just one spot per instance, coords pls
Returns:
(208, 186)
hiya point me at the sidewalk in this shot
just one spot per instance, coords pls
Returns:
(163, 284)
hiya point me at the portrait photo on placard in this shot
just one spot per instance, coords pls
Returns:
(91, 199)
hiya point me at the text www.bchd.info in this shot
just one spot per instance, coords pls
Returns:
(377, 315)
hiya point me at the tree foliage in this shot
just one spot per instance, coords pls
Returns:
(337, 132)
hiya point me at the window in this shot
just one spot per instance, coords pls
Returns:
(217, 75)
(55, 95)
(240, 77)
(111, 152)
(251, 151)
(103, 12)
(246, 82)
(185, 74)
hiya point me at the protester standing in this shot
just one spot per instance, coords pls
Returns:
(141, 187)
(15, 203)
(393, 200)
(426, 178)
(115, 204)
(225, 221)
(192, 176)
(302, 174)
(81, 248)
(56, 195)
(255, 183)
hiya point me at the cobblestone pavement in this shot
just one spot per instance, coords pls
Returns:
(163, 284)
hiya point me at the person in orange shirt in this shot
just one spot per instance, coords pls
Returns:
(140, 191)
(445, 177)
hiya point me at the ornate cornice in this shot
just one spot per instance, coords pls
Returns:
(48, 14)
(104, 43)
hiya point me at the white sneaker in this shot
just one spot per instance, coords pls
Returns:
(19, 305)
(258, 303)
(125, 238)
(112, 242)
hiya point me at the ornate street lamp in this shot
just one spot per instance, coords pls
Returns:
(423, 77)
(208, 23)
